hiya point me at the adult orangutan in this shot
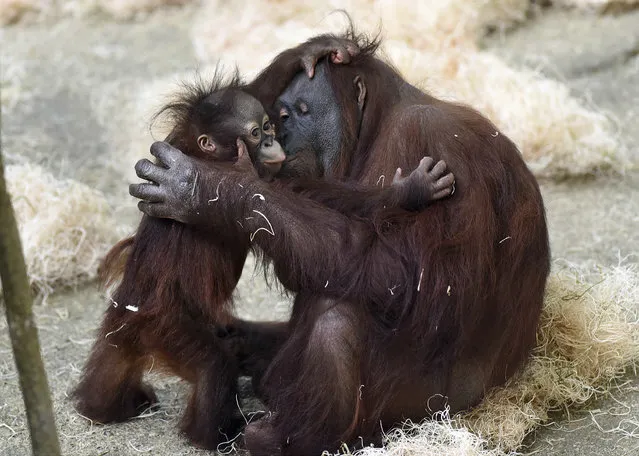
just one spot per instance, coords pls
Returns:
(390, 320)
(175, 282)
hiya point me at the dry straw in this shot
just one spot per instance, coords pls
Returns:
(424, 25)
(589, 334)
(434, 44)
(65, 226)
(442, 437)
(558, 134)
(588, 339)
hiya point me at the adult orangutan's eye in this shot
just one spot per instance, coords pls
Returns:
(283, 114)
(303, 108)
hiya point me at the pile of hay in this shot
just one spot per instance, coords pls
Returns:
(558, 134)
(12, 11)
(434, 44)
(588, 338)
(254, 40)
(431, 438)
(65, 226)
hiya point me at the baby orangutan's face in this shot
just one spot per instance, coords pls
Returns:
(249, 122)
(259, 136)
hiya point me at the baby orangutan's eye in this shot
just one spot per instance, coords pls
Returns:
(267, 126)
(255, 132)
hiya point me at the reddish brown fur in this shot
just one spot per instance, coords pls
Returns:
(469, 273)
(181, 281)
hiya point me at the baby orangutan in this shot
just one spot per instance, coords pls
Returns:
(175, 283)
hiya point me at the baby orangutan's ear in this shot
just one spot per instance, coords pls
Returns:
(206, 144)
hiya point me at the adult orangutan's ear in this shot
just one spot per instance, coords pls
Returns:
(361, 91)
(206, 144)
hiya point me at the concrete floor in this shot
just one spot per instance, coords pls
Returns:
(78, 74)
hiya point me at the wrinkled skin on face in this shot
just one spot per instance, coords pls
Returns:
(309, 125)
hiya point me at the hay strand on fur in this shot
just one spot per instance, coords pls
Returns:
(587, 339)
